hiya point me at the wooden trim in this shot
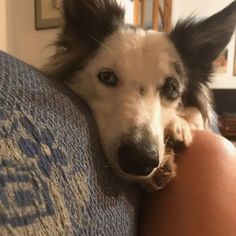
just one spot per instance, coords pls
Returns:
(158, 13)
(167, 15)
(161, 13)
(136, 12)
(155, 11)
(143, 9)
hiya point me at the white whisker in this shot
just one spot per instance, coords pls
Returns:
(103, 44)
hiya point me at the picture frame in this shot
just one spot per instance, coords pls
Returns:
(47, 14)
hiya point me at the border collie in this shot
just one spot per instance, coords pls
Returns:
(147, 90)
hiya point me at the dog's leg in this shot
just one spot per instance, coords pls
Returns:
(165, 173)
(194, 118)
(178, 131)
(162, 175)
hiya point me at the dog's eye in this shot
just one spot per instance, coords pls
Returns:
(170, 90)
(108, 78)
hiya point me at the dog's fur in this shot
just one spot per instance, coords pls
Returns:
(144, 88)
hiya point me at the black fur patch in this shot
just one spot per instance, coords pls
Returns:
(199, 43)
(89, 22)
(86, 24)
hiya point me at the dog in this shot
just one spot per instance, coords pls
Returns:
(146, 90)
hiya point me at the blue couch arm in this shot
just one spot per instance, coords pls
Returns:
(54, 179)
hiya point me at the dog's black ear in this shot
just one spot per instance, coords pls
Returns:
(88, 22)
(199, 43)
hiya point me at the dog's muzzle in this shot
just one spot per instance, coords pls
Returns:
(138, 157)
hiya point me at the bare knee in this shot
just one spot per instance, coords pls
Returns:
(207, 145)
(200, 201)
(209, 157)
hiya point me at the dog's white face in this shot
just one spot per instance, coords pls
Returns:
(134, 80)
(132, 86)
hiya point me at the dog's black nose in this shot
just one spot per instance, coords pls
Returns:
(136, 159)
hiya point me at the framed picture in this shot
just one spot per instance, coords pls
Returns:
(47, 14)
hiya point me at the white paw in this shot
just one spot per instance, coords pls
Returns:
(161, 175)
(180, 130)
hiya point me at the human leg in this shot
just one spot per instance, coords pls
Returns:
(202, 198)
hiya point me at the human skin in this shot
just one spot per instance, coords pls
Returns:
(201, 200)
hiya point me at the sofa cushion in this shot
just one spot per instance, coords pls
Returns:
(54, 179)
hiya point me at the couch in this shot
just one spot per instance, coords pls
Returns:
(54, 179)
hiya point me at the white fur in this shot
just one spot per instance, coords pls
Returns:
(139, 59)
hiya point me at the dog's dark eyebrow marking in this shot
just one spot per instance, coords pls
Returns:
(142, 91)
(178, 68)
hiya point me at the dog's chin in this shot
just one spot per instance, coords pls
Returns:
(132, 177)
(136, 178)
(157, 179)
(126, 176)
(151, 182)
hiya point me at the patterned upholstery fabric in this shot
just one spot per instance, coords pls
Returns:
(54, 179)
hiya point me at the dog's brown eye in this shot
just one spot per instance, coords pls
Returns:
(108, 78)
(170, 90)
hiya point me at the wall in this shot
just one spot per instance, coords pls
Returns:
(184, 8)
(3, 27)
(205, 8)
(23, 41)
(129, 14)
(19, 37)
(18, 34)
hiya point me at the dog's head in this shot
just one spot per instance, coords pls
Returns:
(134, 80)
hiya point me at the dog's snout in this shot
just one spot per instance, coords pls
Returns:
(136, 159)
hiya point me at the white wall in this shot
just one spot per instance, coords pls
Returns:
(19, 37)
(23, 41)
(204, 8)
(3, 27)
(129, 13)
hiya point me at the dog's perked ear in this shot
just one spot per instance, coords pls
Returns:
(199, 43)
(90, 21)
(86, 24)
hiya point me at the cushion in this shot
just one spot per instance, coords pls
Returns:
(54, 179)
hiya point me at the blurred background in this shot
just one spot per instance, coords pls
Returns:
(28, 27)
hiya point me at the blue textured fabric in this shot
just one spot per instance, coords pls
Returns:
(54, 179)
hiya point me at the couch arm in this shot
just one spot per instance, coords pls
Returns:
(54, 179)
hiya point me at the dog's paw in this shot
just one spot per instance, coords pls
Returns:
(161, 177)
(165, 174)
(179, 130)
